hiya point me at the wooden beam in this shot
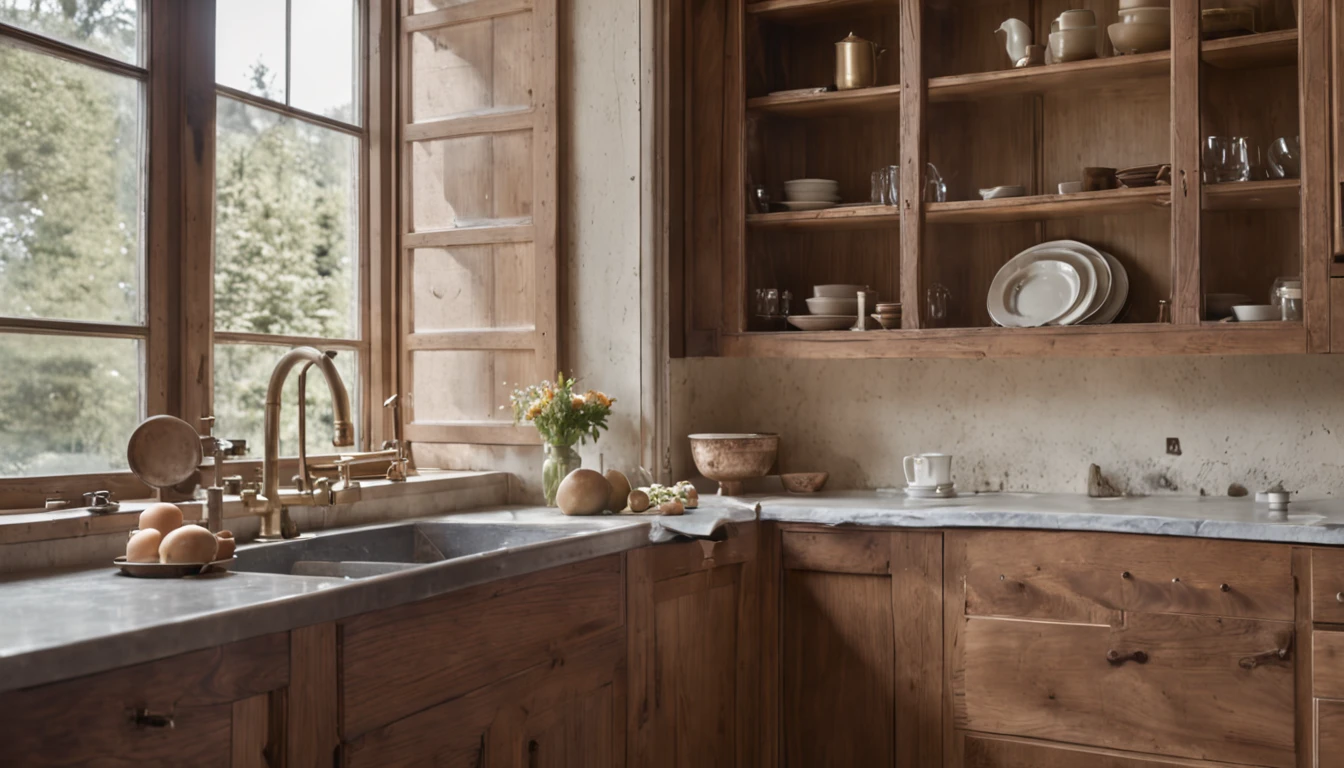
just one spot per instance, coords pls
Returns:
(1187, 187)
(1317, 193)
(914, 103)
(197, 247)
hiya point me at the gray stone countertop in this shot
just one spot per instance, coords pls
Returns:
(56, 625)
(1310, 521)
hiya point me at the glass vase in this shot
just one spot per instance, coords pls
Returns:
(560, 461)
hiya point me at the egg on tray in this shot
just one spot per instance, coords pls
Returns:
(189, 544)
(144, 546)
(164, 518)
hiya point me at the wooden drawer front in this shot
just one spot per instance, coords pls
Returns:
(984, 751)
(1327, 585)
(1329, 729)
(1091, 578)
(1205, 690)
(87, 721)
(402, 660)
(1327, 665)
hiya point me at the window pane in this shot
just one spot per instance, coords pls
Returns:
(472, 181)
(250, 46)
(71, 190)
(286, 225)
(109, 27)
(242, 372)
(474, 67)
(67, 405)
(323, 60)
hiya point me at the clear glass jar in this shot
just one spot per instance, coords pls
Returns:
(1290, 304)
(560, 461)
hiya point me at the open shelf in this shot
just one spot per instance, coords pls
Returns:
(1049, 206)
(1267, 49)
(847, 218)
(878, 100)
(794, 11)
(1247, 195)
(1106, 73)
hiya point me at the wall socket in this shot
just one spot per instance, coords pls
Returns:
(1173, 446)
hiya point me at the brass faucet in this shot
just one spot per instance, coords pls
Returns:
(271, 505)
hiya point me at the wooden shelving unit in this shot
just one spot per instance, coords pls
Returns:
(946, 95)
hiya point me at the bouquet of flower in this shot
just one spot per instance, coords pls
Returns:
(562, 417)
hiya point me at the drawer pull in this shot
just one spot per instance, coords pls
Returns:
(1126, 575)
(143, 718)
(1339, 597)
(1116, 658)
(1278, 654)
(1225, 587)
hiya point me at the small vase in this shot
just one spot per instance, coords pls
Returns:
(560, 461)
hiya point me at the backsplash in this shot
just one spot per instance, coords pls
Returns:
(1033, 425)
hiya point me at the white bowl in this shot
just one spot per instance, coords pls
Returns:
(1070, 187)
(811, 189)
(1009, 190)
(838, 291)
(825, 306)
(1219, 305)
(811, 183)
(1145, 15)
(807, 205)
(1257, 313)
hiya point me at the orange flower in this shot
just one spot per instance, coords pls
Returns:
(599, 397)
(576, 402)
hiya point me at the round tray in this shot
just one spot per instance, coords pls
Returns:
(171, 570)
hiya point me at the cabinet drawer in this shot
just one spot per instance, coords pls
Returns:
(89, 720)
(1206, 688)
(402, 660)
(1092, 578)
(1329, 729)
(1327, 586)
(984, 751)
(1327, 665)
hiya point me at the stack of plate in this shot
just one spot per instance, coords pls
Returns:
(1062, 282)
(811, 194)
(832, 308)
(1145, 175)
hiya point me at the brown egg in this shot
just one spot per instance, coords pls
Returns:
(226, 545)
(582, 492)
(638, 501)
(620, 490)
(164, 518)
(189, 544)
(144, 546)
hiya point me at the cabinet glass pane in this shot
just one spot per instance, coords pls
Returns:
(242, 373)
(286, 225)
(472, 181)
(67, 404)
(250, 47)
(110, 27)
(71, 190)
(469, 385)
(474, 67)
(480, 286)
(324, 58)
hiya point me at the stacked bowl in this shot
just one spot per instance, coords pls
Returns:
(1144, 27)
(888, 316)
(831, 308)
(811, 194)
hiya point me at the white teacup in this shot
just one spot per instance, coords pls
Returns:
(928, 470)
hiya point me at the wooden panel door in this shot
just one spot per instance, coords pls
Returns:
(860, 648)
(694, 652)
(1329, 727)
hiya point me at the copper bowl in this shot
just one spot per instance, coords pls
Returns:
(731, 458)
(804, 482)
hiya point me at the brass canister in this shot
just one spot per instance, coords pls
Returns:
(855, 63)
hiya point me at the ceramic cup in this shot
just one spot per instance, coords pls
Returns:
(928, 470)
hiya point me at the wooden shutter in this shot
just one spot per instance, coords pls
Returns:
(478, 222)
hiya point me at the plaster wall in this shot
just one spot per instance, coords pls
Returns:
(1033, 425)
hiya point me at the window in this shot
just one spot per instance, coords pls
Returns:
(73, 196)
(287, 205)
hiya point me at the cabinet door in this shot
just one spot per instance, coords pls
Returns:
(693, 653)
(861, 648)
(577, 733)
(1329, 722)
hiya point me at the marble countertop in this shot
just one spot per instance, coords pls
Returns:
(1310, 521)
(63, 624)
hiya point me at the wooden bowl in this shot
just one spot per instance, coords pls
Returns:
(731, 458)
(804, 482)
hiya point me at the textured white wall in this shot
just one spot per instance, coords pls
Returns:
(1034, 424)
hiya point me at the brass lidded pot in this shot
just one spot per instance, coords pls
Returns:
(855, 63)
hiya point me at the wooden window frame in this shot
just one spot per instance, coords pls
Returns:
(178, 333)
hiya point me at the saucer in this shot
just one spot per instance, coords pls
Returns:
(947, 491)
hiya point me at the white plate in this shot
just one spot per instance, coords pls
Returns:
(1036, 294)
(795, 205)
(1087, 274)
(823, 322)
(825, 306)
(940, 492)
(1115, 303)
(1101, 267)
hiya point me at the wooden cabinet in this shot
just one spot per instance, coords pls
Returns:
(859, 650)
(206, 708)
(947, 94)
(694, 649)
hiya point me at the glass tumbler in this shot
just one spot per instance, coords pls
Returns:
(935, 305)
(1226, 159)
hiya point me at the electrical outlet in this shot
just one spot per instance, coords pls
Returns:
(1173, 446)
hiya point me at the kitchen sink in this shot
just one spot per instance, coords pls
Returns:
(384, 549)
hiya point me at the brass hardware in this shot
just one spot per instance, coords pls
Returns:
(1175, 579)
(100, 502)
(1339, 597)
(1126, 575)
(270, 505)
(1116, 658)
(1225, 587)
(1278, 654)
(397, 472)
(856, 63)
(143, 718)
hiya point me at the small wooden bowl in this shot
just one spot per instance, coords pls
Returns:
(804, 482)
(888, 322)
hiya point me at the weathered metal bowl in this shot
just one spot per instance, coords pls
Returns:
(732, 458)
